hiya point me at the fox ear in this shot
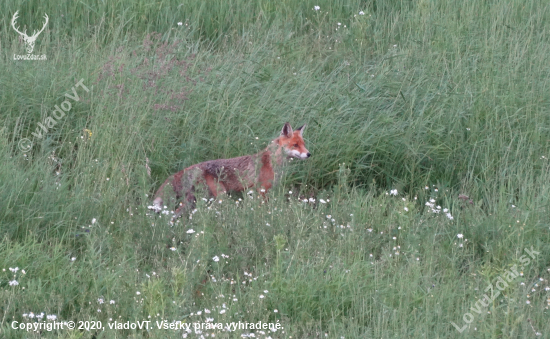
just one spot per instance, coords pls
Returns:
(287, 130)
(301, 129)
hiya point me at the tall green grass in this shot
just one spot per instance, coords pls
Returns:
(434, 99)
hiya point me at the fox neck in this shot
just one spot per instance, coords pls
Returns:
(276, 153)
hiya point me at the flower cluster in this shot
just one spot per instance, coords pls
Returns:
(39, 316)
(437, 209)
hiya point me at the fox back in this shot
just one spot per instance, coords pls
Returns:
(261, 170)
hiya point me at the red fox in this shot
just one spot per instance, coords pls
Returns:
(261, 170)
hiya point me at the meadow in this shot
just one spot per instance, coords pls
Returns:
(423, 211)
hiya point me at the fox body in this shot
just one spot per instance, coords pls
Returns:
(261, 170)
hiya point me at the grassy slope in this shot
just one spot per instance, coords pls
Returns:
(449, 95)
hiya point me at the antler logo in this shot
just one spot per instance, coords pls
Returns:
(29, 40)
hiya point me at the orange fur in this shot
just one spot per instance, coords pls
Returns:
(261, 170)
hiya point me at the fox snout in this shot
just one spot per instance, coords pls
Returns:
(293, 142)
(298, 154)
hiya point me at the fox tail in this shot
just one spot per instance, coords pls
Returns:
(174, 189)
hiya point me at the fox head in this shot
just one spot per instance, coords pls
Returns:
(292, 142)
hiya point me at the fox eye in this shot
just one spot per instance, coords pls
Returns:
(296, 145)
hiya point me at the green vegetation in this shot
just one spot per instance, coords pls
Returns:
(433, 99)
